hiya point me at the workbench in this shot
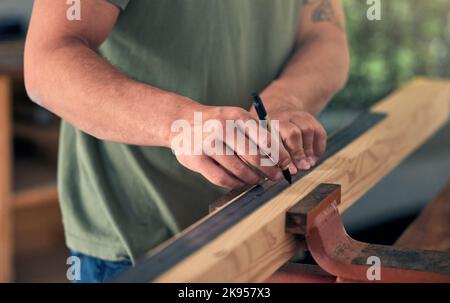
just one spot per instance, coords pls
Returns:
(252, 246)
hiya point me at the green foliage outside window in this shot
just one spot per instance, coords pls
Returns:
(413, 38)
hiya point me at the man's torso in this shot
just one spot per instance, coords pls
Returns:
(119, 200)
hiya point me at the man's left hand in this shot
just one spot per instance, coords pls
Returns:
(301, 133)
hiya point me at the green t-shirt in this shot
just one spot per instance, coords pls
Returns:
(118, 201)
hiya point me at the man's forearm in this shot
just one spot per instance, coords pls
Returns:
(78, 85)
(317, 70)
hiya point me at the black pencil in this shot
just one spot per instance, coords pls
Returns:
(262, 115)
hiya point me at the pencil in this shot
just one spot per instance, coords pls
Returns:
(263, 116)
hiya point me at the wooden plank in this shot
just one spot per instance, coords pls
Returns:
(5, 181)
(229, 215)
(257, 246)
(431, 230)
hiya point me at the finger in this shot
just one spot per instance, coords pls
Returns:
(320, 140)
(215, 174)
(292, 138)
(245, 145)
(277, 146)
(238, 168)
(307, 131)
(262, 164)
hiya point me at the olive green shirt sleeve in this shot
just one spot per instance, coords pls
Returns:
(122, 4)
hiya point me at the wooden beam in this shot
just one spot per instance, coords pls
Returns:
(257, 246)
(5, 181)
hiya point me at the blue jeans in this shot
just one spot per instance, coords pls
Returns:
(96, 270)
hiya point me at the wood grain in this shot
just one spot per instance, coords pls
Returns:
(5, 182)
(257, 246)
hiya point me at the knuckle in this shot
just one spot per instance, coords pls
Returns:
(250, 178)
(221, 180)
(322, 133)
(271, 172)
(237, 113)
(299, 154)
(240, 170)
(309, 152)
(285, 158)
(255, 179)
(294, 134)
(300, 116)
(308, 130)
(285, 116)
(295, 115)
(308, 116)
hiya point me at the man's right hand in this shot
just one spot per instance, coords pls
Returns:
(106, 104)
(235, 168)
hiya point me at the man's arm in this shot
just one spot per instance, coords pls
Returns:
(317, 70)
(64, 74)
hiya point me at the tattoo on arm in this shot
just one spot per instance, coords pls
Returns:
(324, 12)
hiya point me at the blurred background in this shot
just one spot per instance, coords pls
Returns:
(413, 38)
